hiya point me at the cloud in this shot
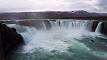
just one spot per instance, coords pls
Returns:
(53, 5)
(103, 5)
(99, 5)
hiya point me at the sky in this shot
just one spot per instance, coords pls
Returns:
(53, 5)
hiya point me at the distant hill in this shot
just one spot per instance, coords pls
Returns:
(81, 14)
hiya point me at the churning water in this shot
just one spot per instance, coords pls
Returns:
(64, 40)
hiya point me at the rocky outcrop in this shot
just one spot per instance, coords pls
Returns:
(94, 25)
(9, 40)
(104, 28)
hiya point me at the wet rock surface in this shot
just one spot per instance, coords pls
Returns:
(104, 28)
(94, 25)
(9, 40)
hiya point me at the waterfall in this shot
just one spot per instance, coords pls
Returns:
(65, 39)
(55, 37)
(98, 29)
(77, 25)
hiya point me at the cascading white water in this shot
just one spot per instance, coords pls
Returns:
(77, 25)
(44, 26)
(98, 29)
(54, 39)
(64, 40)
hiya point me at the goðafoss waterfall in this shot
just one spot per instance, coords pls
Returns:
(64, 40)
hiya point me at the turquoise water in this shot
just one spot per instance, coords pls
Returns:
(83, 49)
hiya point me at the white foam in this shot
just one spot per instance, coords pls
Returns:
(52, 39)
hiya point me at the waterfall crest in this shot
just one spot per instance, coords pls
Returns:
(77, 25)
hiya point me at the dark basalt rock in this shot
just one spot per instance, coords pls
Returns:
(9, 40)
(104, 28)
(94, 25)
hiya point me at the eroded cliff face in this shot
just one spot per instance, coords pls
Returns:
(94, 25)
(104, 28)
(9, 40)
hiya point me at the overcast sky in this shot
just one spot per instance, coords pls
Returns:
(52, 5)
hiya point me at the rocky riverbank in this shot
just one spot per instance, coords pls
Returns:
(9, 40)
